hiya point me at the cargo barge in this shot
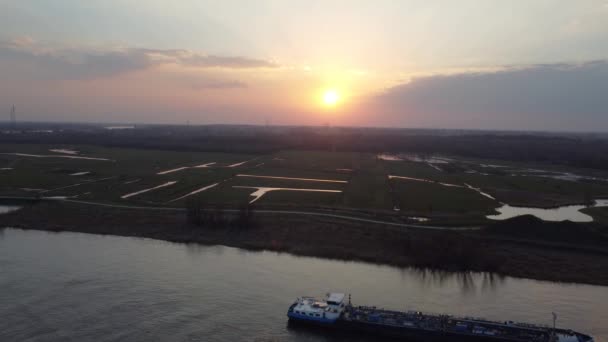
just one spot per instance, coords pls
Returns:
(334, 313)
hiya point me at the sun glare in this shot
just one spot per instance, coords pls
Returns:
(331, 97)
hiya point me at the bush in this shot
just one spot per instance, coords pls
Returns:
(245, 217)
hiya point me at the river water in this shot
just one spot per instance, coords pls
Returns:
(80, 287)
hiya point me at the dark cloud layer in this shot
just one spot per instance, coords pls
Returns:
(87, 64)
(567, 96)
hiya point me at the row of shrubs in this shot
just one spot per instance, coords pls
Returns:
(453, 251)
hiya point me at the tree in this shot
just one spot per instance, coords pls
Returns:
(195, 212)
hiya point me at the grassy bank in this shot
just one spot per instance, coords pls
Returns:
(528, 256)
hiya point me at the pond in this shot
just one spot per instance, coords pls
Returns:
(4, 209)
(569, 212)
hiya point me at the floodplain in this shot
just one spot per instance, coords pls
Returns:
(446, 189)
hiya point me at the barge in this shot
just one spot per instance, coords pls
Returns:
(334, 312)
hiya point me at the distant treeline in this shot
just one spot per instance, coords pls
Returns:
(578, 150)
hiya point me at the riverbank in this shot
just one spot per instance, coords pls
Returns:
(519, 256)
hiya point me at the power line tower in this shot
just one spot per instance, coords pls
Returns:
(13, 118)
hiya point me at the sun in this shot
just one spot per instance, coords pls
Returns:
(331, 97)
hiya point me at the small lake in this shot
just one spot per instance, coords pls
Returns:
(80, 287)
(4, 209)
(569, 212)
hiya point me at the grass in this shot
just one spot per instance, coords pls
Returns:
(321, 160)
(514, 190)
(430, 198)
(367, 188)
(127, 164)
(600, 215)
(275, 169)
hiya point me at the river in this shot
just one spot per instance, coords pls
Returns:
(80, 287)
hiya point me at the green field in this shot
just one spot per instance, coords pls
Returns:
(359, 181)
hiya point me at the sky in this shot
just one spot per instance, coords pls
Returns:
(467, 64)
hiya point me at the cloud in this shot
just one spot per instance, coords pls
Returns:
(218, 85)
(570, 96)
(88, 63)
(226, 62)
(192, 59)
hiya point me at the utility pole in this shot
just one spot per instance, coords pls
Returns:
(13, 118)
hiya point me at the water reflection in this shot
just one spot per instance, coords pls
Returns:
(195, 250)
(469, 283)
(490, 281)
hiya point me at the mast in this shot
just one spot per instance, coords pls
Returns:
(554, 325)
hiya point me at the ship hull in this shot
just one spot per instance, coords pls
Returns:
(357, 328)
(413, 334)
(300, 319)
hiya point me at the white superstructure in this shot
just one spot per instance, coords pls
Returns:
(325, 311)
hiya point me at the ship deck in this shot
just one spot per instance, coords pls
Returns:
(455, 326)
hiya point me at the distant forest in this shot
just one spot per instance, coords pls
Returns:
(579, 150)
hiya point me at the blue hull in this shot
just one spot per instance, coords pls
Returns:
(310, 320)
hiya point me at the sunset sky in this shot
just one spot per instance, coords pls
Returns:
(521, 64)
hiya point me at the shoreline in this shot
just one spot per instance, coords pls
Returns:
(332, 238)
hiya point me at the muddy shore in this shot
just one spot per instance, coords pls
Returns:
(517, 256)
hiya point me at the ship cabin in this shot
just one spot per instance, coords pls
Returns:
(322, 311)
